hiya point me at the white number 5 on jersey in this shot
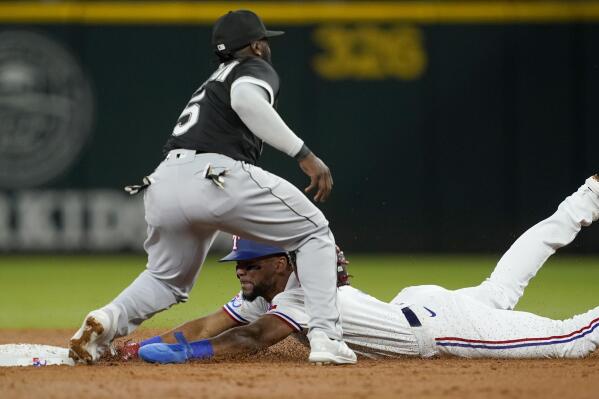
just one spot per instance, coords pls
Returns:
(189, 116)
(191, 113)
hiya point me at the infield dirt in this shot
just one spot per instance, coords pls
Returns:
(282, 371)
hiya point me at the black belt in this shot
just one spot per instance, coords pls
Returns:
(411, 317)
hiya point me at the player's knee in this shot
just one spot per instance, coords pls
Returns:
(498, 295)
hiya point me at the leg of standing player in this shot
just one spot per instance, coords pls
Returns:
(505, 286)
(272, 210)
(174, 261)
(259, 205)
(175, 255)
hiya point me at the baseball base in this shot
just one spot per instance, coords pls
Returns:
(35, 355)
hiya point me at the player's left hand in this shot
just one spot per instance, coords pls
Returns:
(341, 259)
(320, 176)
(343, 277)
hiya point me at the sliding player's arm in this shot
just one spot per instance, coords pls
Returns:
(264, 332)
(204, 327)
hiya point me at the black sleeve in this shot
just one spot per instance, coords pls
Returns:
(258, 71)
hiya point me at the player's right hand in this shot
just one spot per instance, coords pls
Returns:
(129, 350)
(320, 176)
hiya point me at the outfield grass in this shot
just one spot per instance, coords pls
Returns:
(57, 291)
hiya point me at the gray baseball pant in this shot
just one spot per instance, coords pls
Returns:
(184, 210)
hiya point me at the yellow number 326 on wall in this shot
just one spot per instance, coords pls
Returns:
(370, 52)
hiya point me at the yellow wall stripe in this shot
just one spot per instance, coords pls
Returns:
(297, 13)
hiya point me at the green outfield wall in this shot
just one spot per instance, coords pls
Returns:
(448, 126)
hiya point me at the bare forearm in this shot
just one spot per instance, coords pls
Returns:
(191, 330)
(236, 341)
(202, 328)
(250, 338)
(267, 331)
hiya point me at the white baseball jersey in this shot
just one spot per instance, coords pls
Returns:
(469, 322)
(370, 327)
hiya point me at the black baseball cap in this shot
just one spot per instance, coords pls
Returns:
(237, 29)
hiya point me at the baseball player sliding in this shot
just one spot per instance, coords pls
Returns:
(209, 182)
(420, 321)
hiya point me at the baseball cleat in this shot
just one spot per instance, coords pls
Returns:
(328, 351)
(165, 353)
(89, 342)
(593, 184)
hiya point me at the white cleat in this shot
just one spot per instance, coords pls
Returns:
(593, 184)
(92, 340)
(329, 351)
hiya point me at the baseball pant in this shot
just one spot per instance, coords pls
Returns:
(478, 321)
(184, 210)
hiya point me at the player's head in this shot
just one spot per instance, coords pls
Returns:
(241, 33)
(262, 270)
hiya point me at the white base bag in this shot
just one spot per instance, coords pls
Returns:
(35, 355)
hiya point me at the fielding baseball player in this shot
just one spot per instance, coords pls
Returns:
(209, 182)
(420, 321)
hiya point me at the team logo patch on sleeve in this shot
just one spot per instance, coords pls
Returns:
(233, 309)
(237, 301)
